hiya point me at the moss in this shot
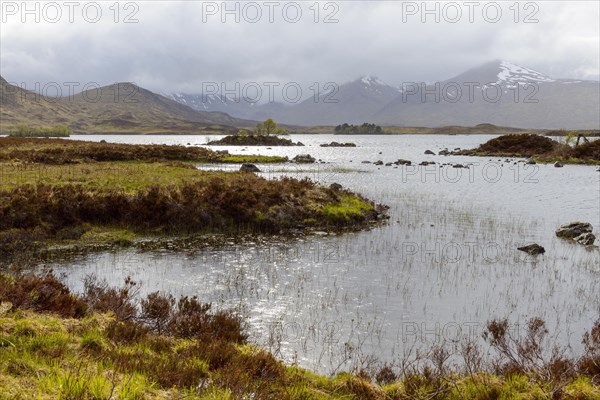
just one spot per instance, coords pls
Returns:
(347, 209)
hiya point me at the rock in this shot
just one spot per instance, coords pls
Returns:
(586, 239)
(573, 230)
(378, 162)
(247, 167)
(389, 164)
(403, 162)
(103, 141)
(532, 249)
(530, 162)
(444, 152)
(335, 186)
(429, 152)
(365, 162)
(299, 144)
(558, 165)
(304, 159)
(336, 144)
(424, 163)
(459, 166)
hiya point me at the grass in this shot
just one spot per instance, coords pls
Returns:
(29, 131)
(347, 209)
(65, 358)
(129, 176)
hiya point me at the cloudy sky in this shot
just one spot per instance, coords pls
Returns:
(178, 46)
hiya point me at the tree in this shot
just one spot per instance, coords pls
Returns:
(269, 127)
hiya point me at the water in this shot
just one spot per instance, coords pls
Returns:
(444, 265)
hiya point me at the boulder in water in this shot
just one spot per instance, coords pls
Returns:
(532, 249)
(247, 167)
(304, 159)
(573, 230)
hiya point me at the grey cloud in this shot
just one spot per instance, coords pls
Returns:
(172, 49)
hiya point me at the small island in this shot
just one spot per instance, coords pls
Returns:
(364, 129)
(539, 149)
(265, 134)
(337, 144)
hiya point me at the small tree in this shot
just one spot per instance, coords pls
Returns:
(269, 127)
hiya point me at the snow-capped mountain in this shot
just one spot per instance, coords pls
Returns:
(501, 93)
(353, 102)
(498, 92)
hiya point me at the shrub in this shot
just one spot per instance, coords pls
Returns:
(42, 293)
(101, 298)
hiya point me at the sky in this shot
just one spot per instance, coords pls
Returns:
(178, 46)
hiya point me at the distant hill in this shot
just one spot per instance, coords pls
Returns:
(122, 107)
(543, 102)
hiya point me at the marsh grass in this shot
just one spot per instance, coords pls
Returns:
(57, 357)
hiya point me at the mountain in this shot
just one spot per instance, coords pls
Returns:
(241, 108)
(502, 93)
(122, 107)
(353, 102)
(498, 92)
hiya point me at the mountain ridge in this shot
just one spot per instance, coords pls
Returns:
(528, 99)
(119, 107)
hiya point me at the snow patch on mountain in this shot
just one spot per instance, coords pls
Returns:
(512, 75)
(372, 80)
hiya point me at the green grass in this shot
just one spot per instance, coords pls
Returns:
(76, 359)
(46, 132)
(348, 208)
(96, 349)
(129, 176)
